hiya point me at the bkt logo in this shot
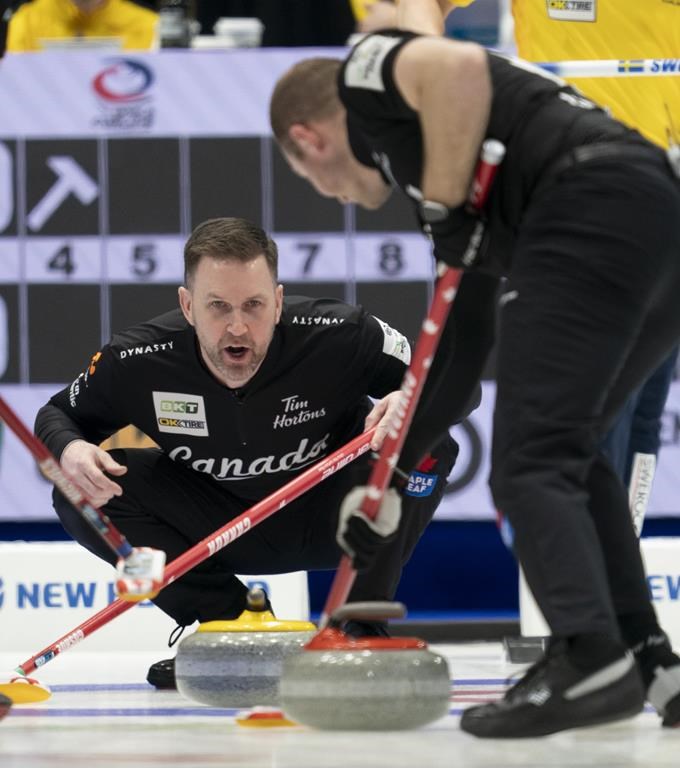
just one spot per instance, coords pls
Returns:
(124, 81)
(664, 586)
(60, 594)
(178, 406)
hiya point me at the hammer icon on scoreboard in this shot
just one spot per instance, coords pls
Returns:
(71, 179)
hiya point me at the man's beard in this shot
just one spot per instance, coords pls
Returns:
(240, 372)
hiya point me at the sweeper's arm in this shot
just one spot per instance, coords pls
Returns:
(452, 389)
(450, 392)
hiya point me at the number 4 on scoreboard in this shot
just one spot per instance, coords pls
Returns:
(62, 261)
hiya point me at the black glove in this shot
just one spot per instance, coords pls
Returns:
(458, 236)
(362, 538)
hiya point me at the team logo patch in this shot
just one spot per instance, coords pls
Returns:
(180, 413)
(93, 363)
(420, 484)
(364, 66)
(395, 343)
(572, 10)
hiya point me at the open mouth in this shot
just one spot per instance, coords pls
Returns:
(236, 353)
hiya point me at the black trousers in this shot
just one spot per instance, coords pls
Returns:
(170, 507)
(591, 308)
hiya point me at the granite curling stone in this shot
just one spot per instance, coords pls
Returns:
(365, 684)
(238, 663)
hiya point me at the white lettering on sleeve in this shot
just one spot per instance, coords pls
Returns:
(364, 67)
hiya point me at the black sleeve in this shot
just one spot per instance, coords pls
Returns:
(452, 386)
(366, 83)
(84, 410)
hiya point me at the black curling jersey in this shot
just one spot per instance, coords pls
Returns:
(308, 397)
(537, 116)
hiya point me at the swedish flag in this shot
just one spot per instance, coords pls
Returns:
(631, 65)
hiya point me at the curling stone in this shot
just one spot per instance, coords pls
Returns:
(365, 684)
(20, 689)
(238, 663)
(5, 705)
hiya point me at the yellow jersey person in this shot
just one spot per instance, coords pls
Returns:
(39, 21)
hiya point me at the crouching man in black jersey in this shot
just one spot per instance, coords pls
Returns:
(241, 389)
(583, 222)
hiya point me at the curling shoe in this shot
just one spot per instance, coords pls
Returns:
(555, 695)
(664, 695)
(162, 675)
(660, 669)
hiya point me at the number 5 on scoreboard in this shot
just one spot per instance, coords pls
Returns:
(144, 261)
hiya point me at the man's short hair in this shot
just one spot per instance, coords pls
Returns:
(228, 239)
(307, 91)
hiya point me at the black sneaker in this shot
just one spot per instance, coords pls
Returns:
(664, 695)
(554, 695)
(660, 668)
(162, 675)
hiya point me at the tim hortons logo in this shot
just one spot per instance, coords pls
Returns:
(295, 411)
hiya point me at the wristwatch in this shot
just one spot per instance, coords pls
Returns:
(432, 212)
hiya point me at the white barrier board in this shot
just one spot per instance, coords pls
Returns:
(49, 588)
(662, 564)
